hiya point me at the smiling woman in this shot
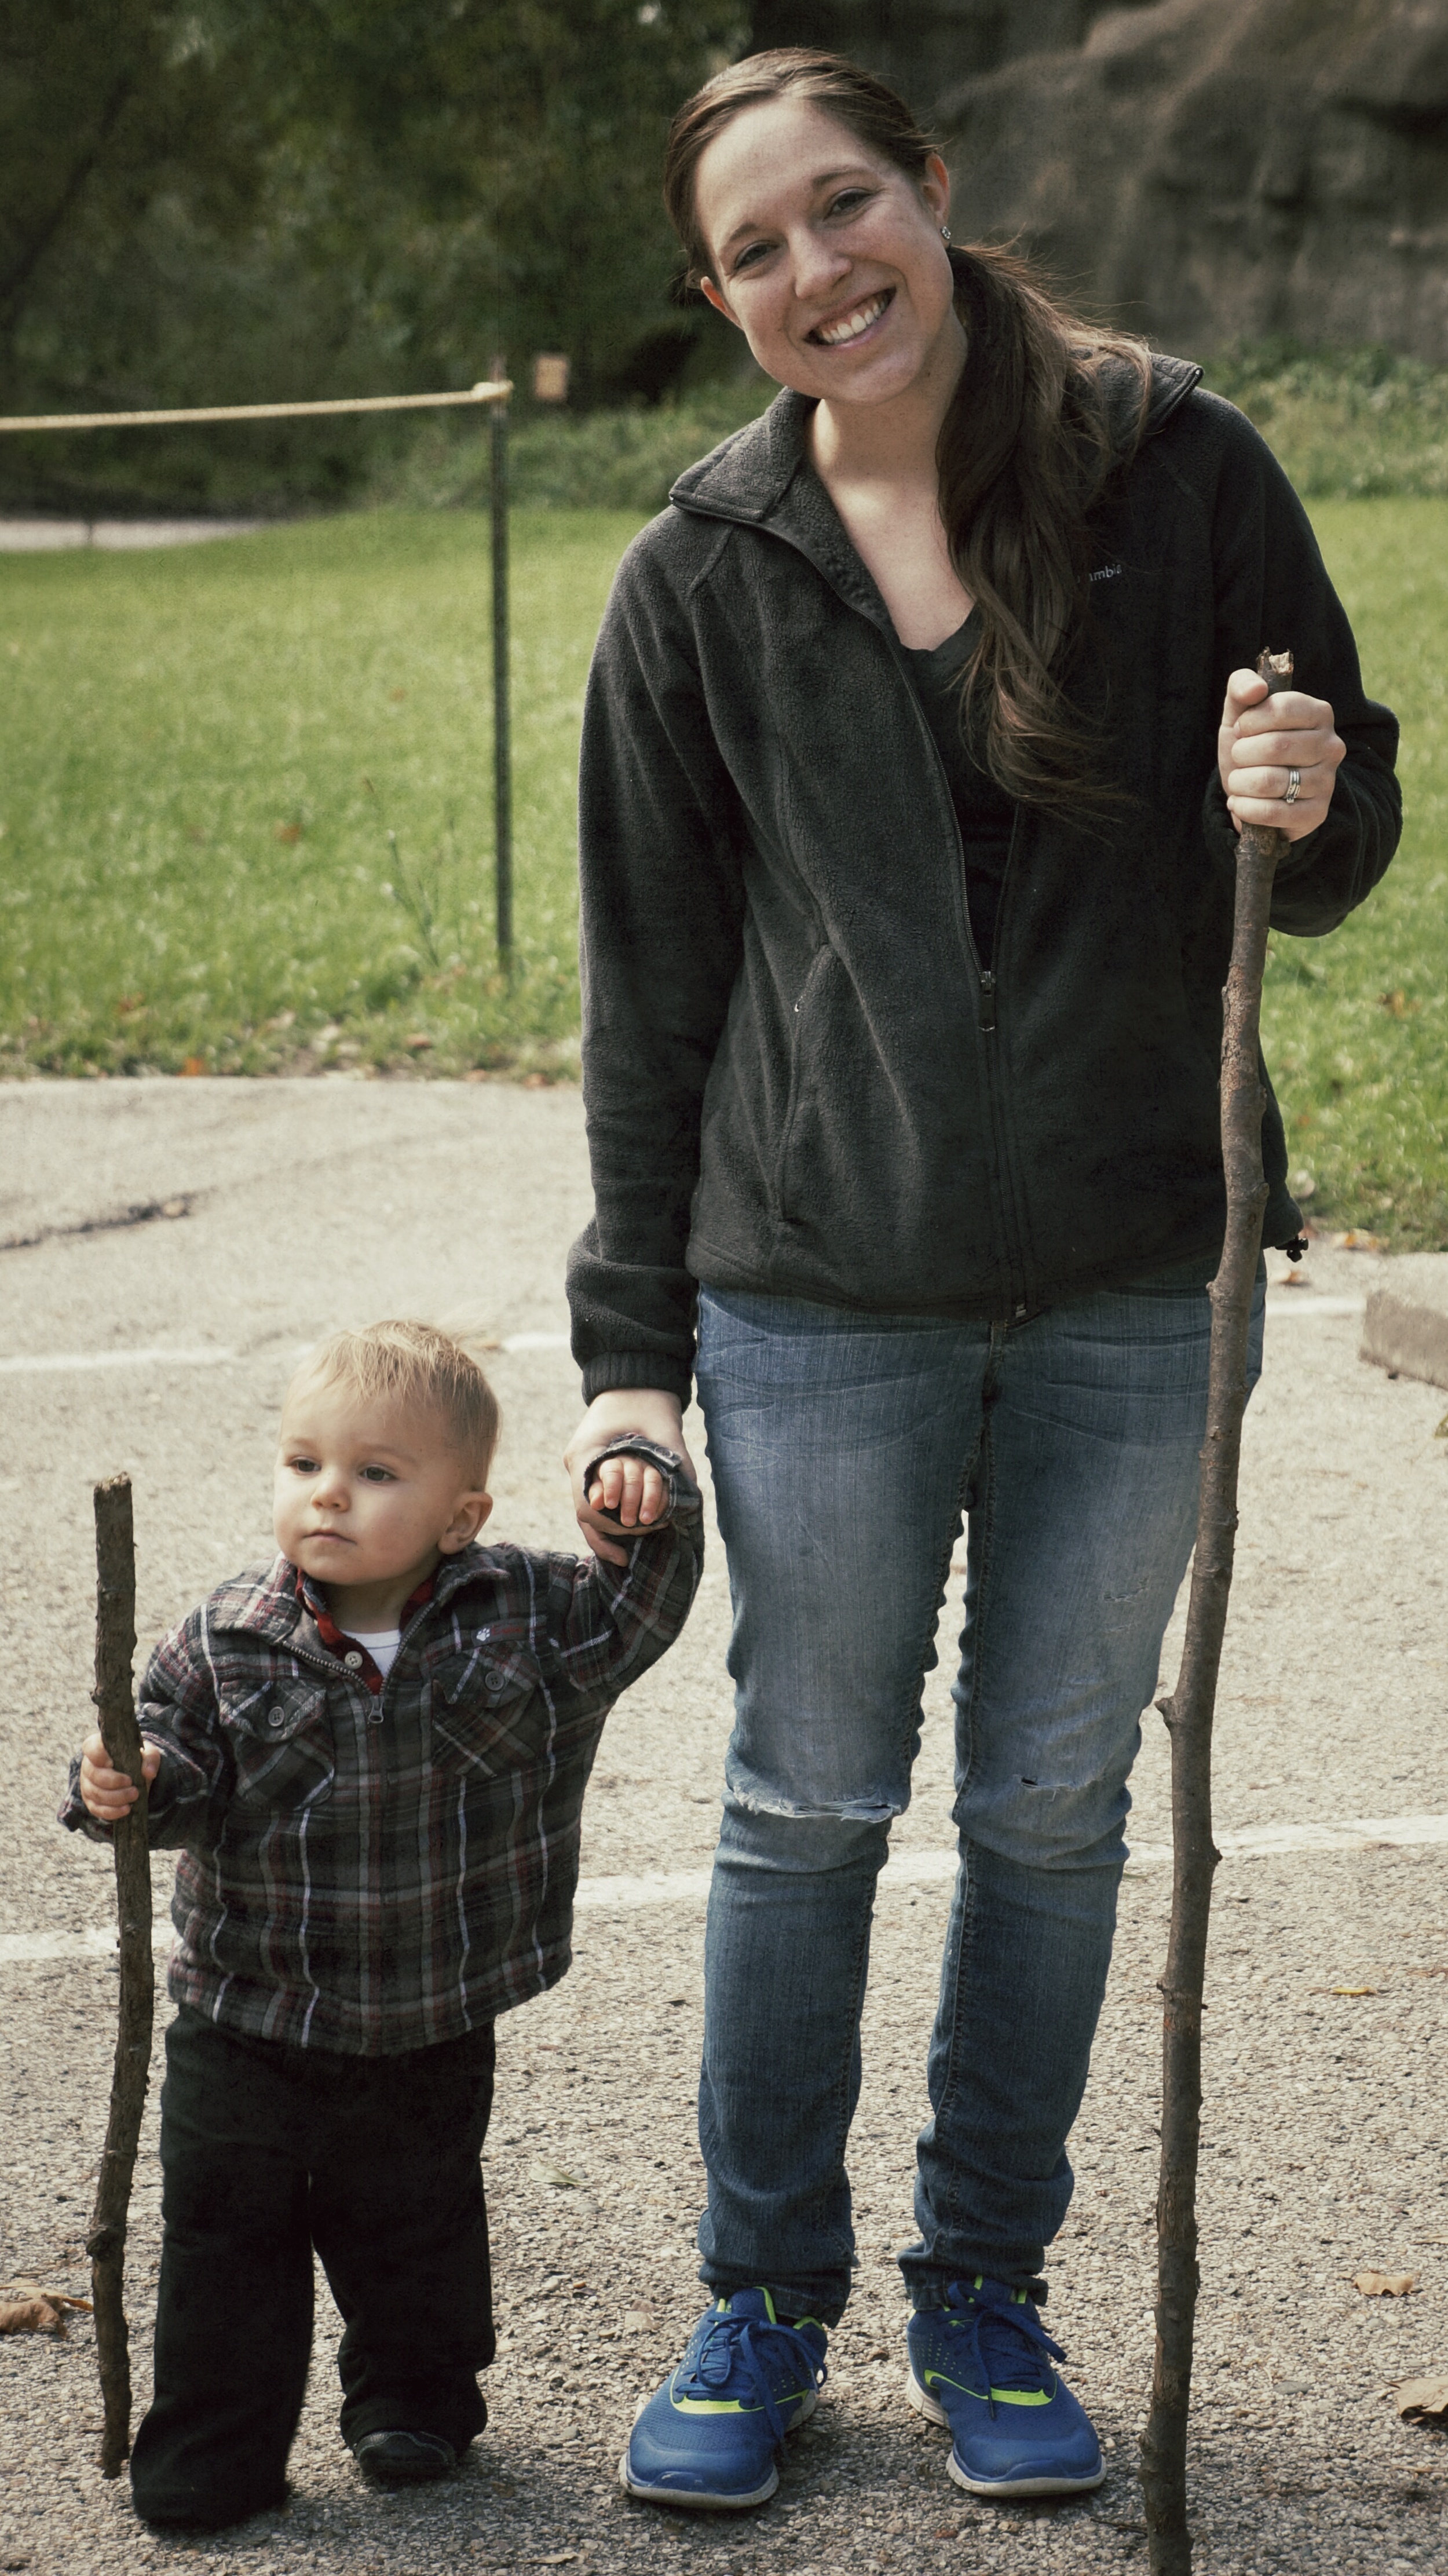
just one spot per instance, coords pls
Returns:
(954, 480)
(916, 739)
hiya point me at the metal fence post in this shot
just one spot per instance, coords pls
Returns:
(502, 724)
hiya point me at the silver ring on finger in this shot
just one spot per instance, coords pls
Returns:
(1294, 787)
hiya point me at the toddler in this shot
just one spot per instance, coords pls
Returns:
(371, 1755)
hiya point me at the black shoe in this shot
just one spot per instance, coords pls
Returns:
(186, 2513)
(400, 2459)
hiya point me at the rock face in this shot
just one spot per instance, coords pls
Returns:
(925, 48)
(1207, 171)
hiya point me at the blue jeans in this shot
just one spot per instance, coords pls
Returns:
(843, 1448)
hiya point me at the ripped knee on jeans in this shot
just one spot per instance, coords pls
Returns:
(803, 1833)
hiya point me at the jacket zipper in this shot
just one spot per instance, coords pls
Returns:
(985, 977)
(330, 1665)
(986, 1019)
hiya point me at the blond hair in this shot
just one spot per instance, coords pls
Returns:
(402, 1362)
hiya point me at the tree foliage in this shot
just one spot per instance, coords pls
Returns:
(248, 198)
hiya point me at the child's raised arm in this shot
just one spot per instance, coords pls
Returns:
(618, 1615)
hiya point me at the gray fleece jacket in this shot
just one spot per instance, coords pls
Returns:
(798, 1079)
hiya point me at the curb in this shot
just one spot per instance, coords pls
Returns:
(1405, 1328)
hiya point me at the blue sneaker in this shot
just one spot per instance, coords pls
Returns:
(707, 2439)
(982, 2366)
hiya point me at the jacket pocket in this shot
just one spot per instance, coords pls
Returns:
(808, 1024)
(281, 1744)
(485, 1709)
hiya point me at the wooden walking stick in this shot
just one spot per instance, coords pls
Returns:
(106, 2243)
(1188, 1712)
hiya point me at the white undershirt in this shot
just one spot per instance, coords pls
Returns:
(381, 1645)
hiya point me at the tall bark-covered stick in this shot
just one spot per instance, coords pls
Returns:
(1190, 1709)
(106, 2243)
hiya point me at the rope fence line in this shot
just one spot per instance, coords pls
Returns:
(493, 394)
(493, 391)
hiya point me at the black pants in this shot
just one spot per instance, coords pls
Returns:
(267, 2152)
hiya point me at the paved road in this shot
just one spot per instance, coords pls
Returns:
(299, 1205)
(116, 536)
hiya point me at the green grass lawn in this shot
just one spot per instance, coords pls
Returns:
(1356, 1026)
(245, 799)
(246, 795)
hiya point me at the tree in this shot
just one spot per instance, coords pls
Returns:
(275, 197)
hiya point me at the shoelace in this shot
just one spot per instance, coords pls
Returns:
(978, 2311)
(728, 2339)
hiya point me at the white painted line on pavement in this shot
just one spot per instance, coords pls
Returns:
(649, 1887)
(47, 1363)
(41, 1364)
(931, 1868)
(1282, 1301)
(629, 1892)
(98, 1942)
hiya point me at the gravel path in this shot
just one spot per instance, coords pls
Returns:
(318, 1202)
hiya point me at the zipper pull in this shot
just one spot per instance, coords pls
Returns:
(987, 1000)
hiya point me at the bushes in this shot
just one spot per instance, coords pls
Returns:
(1348, 425)
(607, 460)
(1355, 424)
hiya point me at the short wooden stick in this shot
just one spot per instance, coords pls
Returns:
(1190, 1709)
(106, 2243)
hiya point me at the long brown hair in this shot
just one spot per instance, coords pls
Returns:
(1026, 447)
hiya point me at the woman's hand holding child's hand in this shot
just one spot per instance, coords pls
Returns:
(1261, 741)
(106, 1794)
(627, 1490)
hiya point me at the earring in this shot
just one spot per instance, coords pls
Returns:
(945, 232)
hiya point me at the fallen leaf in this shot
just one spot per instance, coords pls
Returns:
(553, 2175)
(194, 1064)
(287, 832)
(1355, 1241)
(1442, 1431)
(1295, 1279)
(1423, 2396)
(397, 696)
(25, 2288)
(30, 2316)
(420, 1042)
(1355, 1990)
(1385, 2285)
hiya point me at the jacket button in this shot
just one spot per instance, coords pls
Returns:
(353, 1661)
(276, 1717)
(496, 1682)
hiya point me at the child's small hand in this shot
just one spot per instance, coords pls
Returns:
(631, 1491)
(106, 1794)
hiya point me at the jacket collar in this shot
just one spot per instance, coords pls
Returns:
(267, 1603)
(762, 477)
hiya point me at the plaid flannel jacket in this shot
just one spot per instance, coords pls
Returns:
(375, 1873)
